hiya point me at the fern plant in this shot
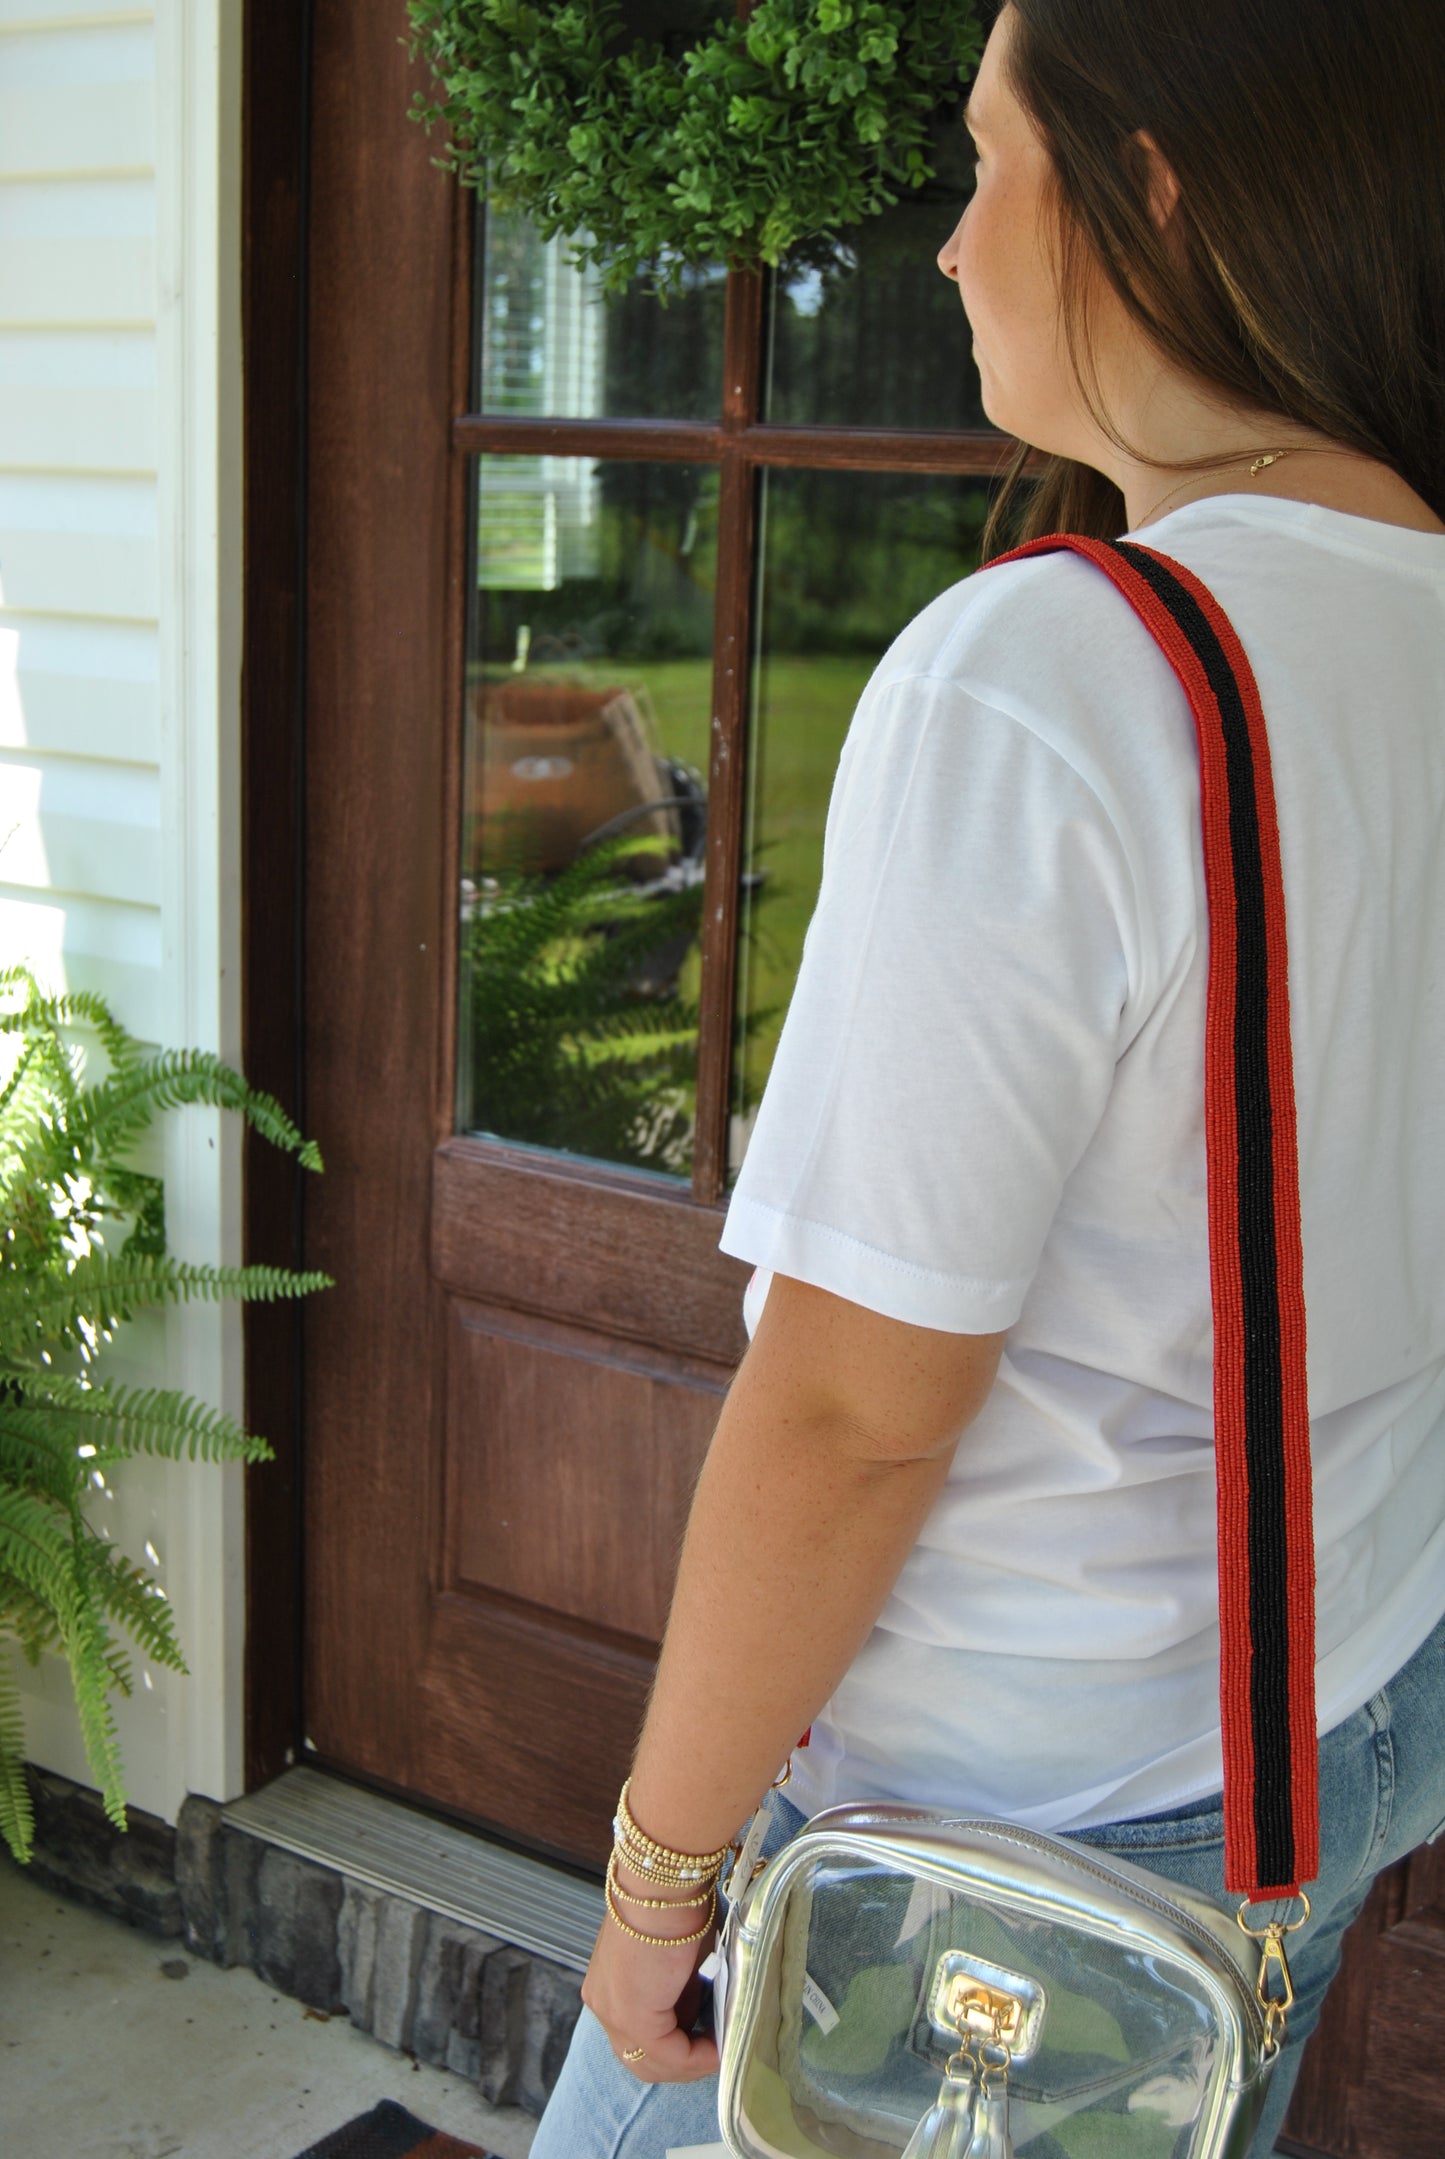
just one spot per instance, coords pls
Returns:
(83, 1249)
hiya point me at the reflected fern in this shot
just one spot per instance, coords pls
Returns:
(580, 1033)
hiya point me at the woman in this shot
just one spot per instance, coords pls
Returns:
(958, 1516)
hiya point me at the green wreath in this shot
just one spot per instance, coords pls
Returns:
(763, 135)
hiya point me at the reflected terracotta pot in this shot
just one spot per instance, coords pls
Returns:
(555, 765)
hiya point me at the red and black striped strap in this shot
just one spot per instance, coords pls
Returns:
(1261, 1409)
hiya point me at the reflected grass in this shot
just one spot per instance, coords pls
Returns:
(804, 703)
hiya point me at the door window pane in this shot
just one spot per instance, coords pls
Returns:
(846, 560)
(588, 703)
(552, 344)
(865, 330)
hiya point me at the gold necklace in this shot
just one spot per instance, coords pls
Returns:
(1261, 463)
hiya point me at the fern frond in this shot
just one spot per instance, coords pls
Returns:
(39, 1458)
(135, 1601)
(143, 1198)
(121, 1670)
(126, 1102)
(17, 1817)
(74, 1008)
(27, 1617)
(21, 1077)
(35, 1547)
(65, 1287)
(87, 1647)
(106, 1289)
(37, 1550)
(127, 1420)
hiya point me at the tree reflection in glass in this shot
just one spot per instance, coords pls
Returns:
(865, 331)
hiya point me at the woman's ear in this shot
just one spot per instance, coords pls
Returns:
(1158, 176)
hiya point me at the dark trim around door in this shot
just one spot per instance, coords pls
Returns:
(275, 131)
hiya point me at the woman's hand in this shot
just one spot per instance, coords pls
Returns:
(833, 1444)
(648, 1998)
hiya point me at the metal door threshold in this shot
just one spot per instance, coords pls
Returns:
(442, 1868)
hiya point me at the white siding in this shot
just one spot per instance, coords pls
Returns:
(119, 674)
(78, 480)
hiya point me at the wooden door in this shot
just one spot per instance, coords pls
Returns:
(536, 519)
(1373, 2084)
(508, 1394)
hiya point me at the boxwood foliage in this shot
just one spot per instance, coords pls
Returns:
(755, 138)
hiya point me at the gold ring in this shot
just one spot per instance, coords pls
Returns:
(634, 2054)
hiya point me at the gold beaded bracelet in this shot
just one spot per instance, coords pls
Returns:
(660, 1941)
(654, 1904)
(665, 1852)
(662, 1878)
(660, 1861)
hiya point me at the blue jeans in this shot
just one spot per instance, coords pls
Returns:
(1382, 1792)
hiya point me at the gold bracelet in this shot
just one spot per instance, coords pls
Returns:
(654, 1904)
(672, 1904)
(690, 1866)
(662, 1870)
(663, 1877)
(654, 1871)
(659, 1941)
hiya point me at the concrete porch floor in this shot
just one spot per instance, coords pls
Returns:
(117, 2045)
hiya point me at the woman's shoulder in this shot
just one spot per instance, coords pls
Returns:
(1051, 643)
(1013, 617)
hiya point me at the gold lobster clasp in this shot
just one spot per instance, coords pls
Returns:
(1274, 1988)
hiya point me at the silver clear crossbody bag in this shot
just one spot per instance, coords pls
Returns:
(900, 1981)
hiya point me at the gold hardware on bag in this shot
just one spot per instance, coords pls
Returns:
(983, 2011)
(986, 2001)
(1273, 1963)
(969, 2118)
(1276, 2007)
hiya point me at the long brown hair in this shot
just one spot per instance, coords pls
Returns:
(1304, 271)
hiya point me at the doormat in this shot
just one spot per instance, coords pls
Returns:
(389, 2132)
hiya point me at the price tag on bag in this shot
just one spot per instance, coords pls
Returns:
(747, 1858)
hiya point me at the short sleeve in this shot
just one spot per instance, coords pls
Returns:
(952, 1036)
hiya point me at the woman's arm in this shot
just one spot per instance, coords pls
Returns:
(834, 1441)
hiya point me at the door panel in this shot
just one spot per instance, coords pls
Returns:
(546, 1425)
(536, 1773)
(632, 1259)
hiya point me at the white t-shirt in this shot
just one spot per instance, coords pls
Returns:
(986, 1113)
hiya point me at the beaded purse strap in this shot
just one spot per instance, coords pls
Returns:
(1261, 1408)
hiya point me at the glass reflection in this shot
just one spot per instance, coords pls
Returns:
(552, 344)
(589, 679)
(865, 329)
(847, 559)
